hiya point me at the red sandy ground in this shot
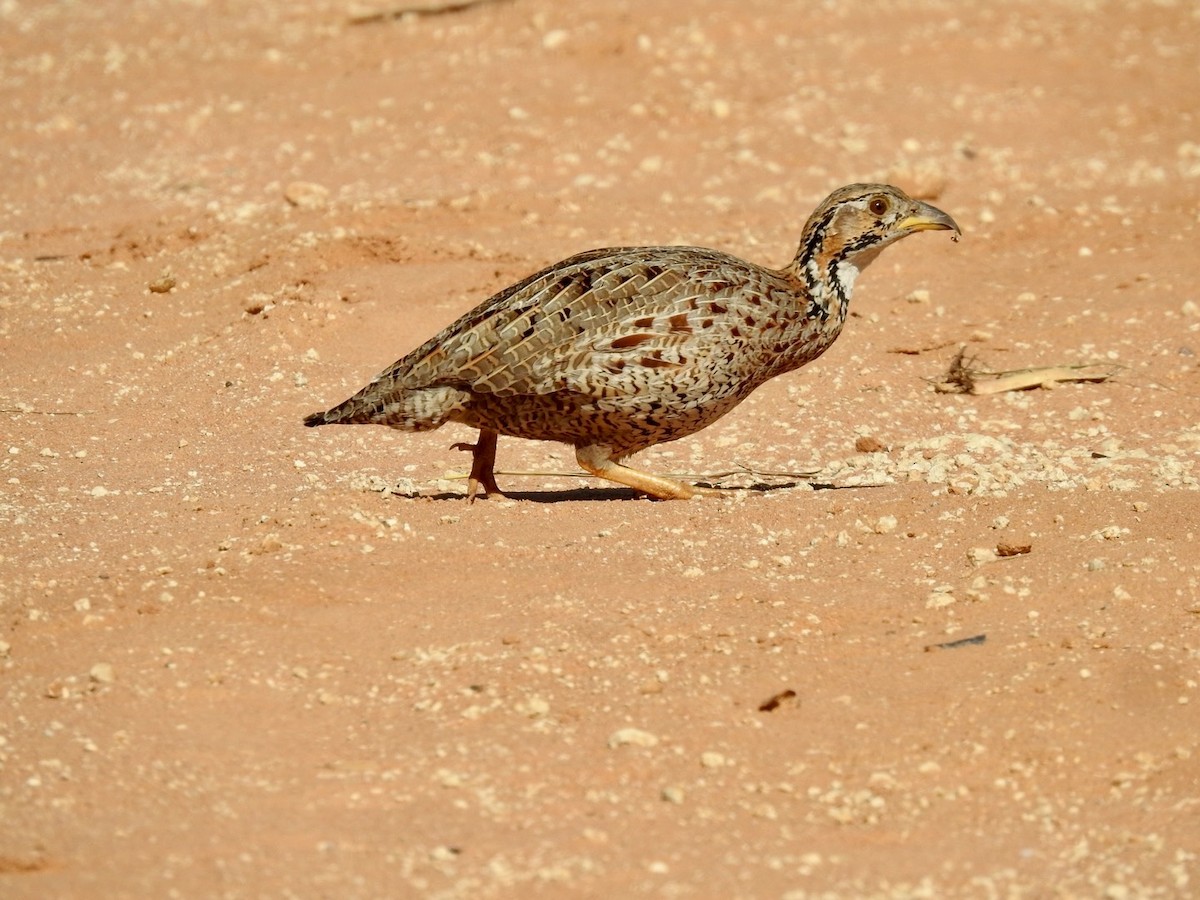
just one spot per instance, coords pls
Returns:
(241, 658)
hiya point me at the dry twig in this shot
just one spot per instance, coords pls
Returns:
(416, 9)
(964, 378)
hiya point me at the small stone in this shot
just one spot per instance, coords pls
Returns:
(711, 759)
(632, 736)
(1006, 548)
(980, 555)
(673, 794)
(102, 673)
(869, 444)
(534, 708)
(938, 599)
(163, 285)
(306, 194)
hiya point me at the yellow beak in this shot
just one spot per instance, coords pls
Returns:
(927, 218)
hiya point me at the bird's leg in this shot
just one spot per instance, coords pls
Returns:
(483, 463)
(597, 459)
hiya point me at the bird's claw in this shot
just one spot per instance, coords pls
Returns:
(483, 459)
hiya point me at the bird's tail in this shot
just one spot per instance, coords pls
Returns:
(420, 409)
(312, 420)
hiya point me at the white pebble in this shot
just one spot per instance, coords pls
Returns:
(633, 736)
(711, 759)
(306, 194)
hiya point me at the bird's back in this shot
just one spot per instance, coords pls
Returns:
(595, 316)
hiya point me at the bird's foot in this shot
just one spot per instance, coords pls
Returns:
(483, 463)
(598, 460)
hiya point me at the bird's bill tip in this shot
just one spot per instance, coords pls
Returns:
(928, 218)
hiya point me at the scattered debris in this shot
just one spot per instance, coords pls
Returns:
(963, 378)
(961, 642)
(773, 703)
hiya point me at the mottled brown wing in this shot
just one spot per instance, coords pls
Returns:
(589, 323)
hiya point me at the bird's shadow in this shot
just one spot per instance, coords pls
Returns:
(616, 493)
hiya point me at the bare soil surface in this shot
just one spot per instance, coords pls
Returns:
(241, 658)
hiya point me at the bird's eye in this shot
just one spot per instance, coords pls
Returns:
(878, 205)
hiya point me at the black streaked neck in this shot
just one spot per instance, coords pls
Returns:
(828, 265)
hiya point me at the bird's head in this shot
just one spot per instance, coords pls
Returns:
(850, 228)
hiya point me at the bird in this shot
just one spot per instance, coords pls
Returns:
(616, 350)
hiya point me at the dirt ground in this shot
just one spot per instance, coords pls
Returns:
(241, 658)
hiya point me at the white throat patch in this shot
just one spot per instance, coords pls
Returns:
(846, 273)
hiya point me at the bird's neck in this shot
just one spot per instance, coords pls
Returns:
(828, 269)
